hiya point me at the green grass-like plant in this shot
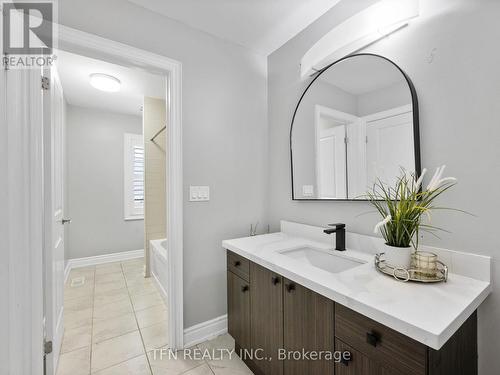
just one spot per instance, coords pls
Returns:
(404, 205)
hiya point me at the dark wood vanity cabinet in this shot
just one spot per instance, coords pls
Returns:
(308, 324)
(277, 314)
(274, 316)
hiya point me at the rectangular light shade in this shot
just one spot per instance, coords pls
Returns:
(362, 29)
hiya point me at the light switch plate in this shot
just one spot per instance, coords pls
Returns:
(199, 193)
(307, 190)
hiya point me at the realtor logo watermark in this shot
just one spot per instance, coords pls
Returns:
(28, 30)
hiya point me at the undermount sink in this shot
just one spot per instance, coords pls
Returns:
(325, 259)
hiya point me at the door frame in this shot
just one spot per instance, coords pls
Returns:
(321, 110)
(21, 222)
(388, 113)
(77, 41)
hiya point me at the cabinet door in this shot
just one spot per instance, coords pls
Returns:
(355, 364)
(358, 363)
(238, 310)
(266, 325)
(308, 326)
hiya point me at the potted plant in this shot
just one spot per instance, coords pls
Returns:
(403, 207)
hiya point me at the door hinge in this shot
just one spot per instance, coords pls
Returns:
(47, 347)
(346, 140)
(45, 83)
(366, 139)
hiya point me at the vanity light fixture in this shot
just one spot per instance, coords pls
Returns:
(362, 29)
(105, 82)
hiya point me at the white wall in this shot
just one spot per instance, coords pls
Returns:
(95, 202)
(387, 98)
(451, 55)
(224, 135)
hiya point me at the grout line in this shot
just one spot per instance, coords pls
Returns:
(194, 368)
(92, 326)
(205, 360)
(117, 364)
(74, 350)
(137, 322)
(111, 338)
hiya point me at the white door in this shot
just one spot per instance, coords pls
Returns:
(54, 216)
(389, 148)
(331, 162)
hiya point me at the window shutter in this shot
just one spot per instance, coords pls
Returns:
(133, 177)
(138, 173)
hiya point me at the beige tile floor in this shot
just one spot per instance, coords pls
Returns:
(114, 321)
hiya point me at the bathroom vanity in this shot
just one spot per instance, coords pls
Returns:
(291, 292)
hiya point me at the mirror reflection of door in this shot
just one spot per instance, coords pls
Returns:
(331, 152)
(388, 139)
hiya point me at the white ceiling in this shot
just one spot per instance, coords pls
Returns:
(362, 74)
(74, 71)
(260, 25)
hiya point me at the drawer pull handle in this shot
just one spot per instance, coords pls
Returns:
(245, 288)
(237, 263)
(372, 338)
(346, 358)
(290, 288)
(276, 280)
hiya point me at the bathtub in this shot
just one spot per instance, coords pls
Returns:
(158, 262)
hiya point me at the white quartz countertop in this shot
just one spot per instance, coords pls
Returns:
(428, 313)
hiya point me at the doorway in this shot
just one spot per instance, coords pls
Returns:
(106, 270)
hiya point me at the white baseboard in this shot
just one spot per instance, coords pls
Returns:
(101, 259)
(205, 331)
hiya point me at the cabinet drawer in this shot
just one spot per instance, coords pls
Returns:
(380, 343)
(357, 363)
(238, 265)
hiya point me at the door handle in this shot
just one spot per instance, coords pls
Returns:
(237, 263)
(372, 338)
(276, 280)
(290, 288)
(245, 288)
(345, 360)
(65, 221)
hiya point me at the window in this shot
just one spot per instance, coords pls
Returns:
(134, 176)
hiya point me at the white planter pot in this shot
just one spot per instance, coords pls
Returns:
(398, 256)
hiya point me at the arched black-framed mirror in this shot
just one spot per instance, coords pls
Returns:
(356, 122)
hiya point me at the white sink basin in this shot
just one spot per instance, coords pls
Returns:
(325, 259)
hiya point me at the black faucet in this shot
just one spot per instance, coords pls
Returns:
(339, 230)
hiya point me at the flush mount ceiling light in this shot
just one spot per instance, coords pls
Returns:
(105, 82)
(362, 29)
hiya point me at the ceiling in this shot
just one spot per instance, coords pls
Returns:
(260, 25)
(363, 74)
(74, 71)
